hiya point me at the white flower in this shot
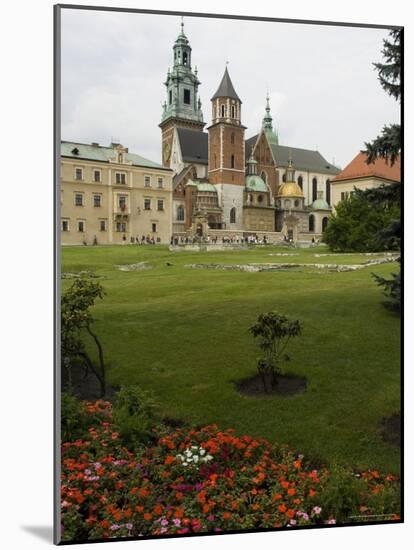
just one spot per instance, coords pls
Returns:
(202, 452)
(195, 458)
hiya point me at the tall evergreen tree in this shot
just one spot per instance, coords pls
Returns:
(388, 146)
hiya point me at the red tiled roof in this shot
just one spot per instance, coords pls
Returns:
(358, 168)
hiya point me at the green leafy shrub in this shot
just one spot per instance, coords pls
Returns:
(72, 417)
(134, 413)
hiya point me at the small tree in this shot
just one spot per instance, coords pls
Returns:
(76, 319)
(274, 332)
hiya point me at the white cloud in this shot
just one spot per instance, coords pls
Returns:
(323, 88)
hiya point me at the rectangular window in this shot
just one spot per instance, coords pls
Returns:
(97, 200)
(154, 227)
(65, 225)
(120, 178)
(81, 226)
(97, 175)
(78, 199)
(187, 96)
(78, 174)
(147, 204)
(160, 183)
(170, 97)
(122, 202)
(147, 181)
(102, 225)
(160, 204)
(121, 227)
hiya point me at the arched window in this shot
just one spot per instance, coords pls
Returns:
(233, 215)
(287, 203)
(215, 160)
(232, 111)
(300, 182)
(297, 203)
(284, 178)
(180, 213)
(232, 161)
(222, 111)
(264, 176)
(185, 58)
(260, 198)
(328, 191)
(311, 223)
(324, 223)
(314, 189)
(232, 138)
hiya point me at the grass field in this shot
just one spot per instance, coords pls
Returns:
(183, 334)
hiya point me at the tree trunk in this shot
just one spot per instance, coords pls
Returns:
(102, 379)
(95, 371)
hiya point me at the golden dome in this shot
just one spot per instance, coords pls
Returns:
(289, 189)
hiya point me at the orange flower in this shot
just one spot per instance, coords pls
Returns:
(312, 493)
(117, 515)
(179, 496)
(226, 515)
(144, 492)
(255, 506)
(206, 508)
(297, 464)
(201, 497)
(290, 513)
(285, 484)
(139, 508)
(282, 508)
(277, 496)
(147, 516)
(297, 501)
(291, 492)
(105, 524)
(158, 509)
(169, 459)
(179, 512)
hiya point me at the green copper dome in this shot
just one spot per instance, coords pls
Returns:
(320, 204)
(255, 183)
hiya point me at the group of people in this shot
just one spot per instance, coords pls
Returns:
(248, 239)
(149, 239)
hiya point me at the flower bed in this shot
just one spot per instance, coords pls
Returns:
(197, 480)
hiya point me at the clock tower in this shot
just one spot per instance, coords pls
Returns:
(182, 108)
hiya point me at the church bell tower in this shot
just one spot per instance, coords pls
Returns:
(226, 162)
(182, 106)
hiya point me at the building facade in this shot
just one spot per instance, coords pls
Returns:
(112, 196)
(217, 172)
(358, 173)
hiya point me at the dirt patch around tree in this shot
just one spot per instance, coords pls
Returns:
(84, 384)
(391, 429)
(287, 384)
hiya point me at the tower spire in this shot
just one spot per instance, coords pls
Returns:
(267, 123)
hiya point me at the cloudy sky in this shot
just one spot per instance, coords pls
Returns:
(323, 88)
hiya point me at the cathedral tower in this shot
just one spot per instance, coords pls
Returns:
(226, 162)
(226, 152)
(183, 106)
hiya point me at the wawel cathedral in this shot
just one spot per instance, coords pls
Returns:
(223, 181)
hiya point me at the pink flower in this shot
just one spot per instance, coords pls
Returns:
(164, 522)
(317, 510)
(129, 526)
(177, 522)
(331, 521)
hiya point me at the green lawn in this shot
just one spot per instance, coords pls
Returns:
(182, 333)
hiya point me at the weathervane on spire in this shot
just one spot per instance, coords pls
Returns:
(182, 24)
